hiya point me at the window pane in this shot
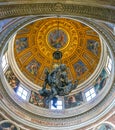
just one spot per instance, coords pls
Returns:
(24, 97)
(20, 89)
(93, 95)
(88, 98)
(109, 66)
(22, 92)
(19, 94)
(25, 92)
(92, 91)
(4, 62)
(110, 61)
(53, 108)
(59, 103)
(87, 94)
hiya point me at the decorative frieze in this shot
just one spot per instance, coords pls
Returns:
(98, 12)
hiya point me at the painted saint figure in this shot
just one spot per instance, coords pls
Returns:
(57, 38)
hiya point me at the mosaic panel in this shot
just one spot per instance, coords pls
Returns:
(73, 100)
(33, 67)
(101, 81)
(80, 68)
(92, 46)
(57, 38)
(12, 80)
(38, 100)
(21, 44)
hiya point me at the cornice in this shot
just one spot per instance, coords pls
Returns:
(90, 11)
(83, 2)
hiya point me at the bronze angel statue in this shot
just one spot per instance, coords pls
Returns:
(58, 82)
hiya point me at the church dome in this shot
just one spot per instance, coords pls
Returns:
(28, 46)
(35, 44)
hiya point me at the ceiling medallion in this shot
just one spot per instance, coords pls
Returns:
(57, 38)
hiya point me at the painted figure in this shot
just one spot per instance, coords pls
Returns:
(101, 81)
(33, 67)
(57, 38)
(21, 44)
(73, 100)
(12, 80)
(92, 45)
(80, 68)
(37, 99)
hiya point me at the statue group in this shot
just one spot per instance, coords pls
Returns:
(58, 83)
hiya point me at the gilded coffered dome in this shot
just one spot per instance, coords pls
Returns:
(30, 36)
(35, 43)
